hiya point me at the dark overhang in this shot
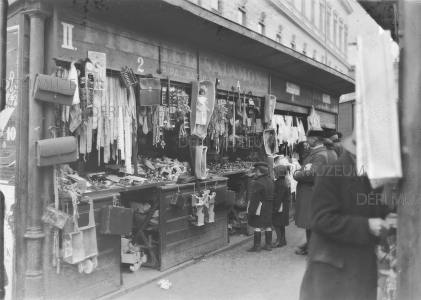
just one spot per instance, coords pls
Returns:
(194, 26)
(385, 13)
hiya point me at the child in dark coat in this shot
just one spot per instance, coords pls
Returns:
(281, 199)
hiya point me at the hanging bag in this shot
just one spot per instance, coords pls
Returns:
(116, 219)
(56, 151)
(149, 91)
(54, 89)
(178, 200)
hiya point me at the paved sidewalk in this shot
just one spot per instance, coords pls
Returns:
(234, 274)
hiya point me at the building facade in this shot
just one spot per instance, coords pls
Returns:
(317, 28)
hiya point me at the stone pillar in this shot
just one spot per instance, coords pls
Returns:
(409, 212)
(34, 235)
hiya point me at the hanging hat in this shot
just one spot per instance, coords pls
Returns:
(316, 131)
(331, 134)
(349, 143)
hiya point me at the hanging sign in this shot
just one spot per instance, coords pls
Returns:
(326, 98)
(232, 73)
(293, 89)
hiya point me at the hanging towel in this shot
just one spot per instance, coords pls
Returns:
(377, 110)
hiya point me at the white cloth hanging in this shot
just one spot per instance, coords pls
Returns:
(377, 110)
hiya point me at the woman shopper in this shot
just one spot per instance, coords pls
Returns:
(281, 199)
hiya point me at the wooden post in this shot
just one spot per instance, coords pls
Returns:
(409, 212)
(34, 234)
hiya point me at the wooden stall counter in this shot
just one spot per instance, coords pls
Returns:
(167, 230)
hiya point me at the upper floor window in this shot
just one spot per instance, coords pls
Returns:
(335, 25)
(242, 17)
(321, 16)
(314, 54)
(278, 38)
(303, 8)
(313, 10)
(216, 5)
(328, 15)
(261, 28)
(305, 49)
(341, 25)
(346, 40)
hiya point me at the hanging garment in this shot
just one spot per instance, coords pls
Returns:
(288, 131)
(377, 110)
(202, 105)
(314, 119)
(301, 132)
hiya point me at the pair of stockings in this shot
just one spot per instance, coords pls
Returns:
(280, 232)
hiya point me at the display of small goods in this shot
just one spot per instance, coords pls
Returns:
(228, 166)
(150, 170)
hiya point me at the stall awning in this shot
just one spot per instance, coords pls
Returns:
(188, 23)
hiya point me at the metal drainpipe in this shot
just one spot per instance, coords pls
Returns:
(409, 213)
(34, 280)
(4, 6)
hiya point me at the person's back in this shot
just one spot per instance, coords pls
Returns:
(342, 261)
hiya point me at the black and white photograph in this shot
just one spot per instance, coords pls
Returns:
(210, 149)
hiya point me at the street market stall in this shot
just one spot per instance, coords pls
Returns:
(135, 147)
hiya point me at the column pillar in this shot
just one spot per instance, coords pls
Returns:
(409, 212)
(34, 235)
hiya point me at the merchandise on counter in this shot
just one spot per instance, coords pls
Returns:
(228, 166)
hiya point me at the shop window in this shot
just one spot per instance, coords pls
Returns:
(261, 28)
(242, 17)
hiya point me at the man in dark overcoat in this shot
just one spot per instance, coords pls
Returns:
(312, 165)
(345, 229)
(260, 207)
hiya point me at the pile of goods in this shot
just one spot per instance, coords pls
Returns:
(149, 171)
(162, 169)
(228, 166)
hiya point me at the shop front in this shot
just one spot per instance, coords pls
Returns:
(161, 128)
